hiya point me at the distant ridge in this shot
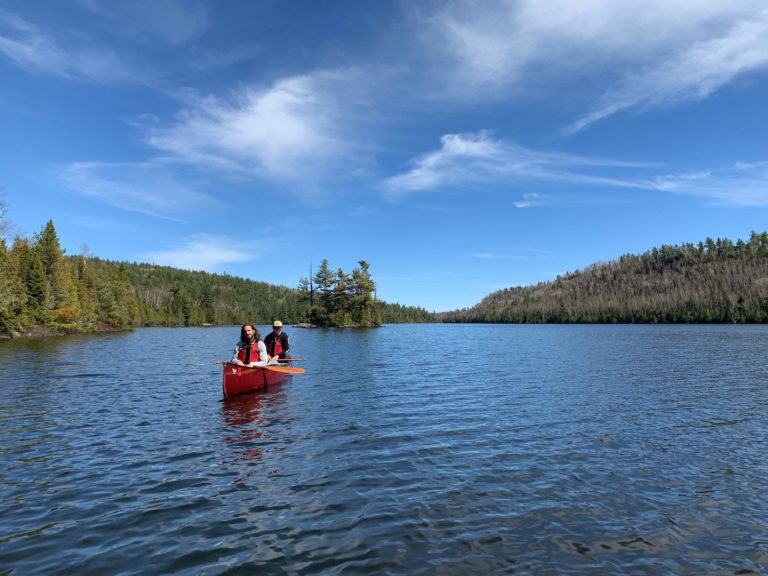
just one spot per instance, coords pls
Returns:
(174, 297)
(715, 281)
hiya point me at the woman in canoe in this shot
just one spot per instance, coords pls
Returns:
(250, 351)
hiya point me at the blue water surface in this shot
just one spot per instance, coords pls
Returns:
(409, 449)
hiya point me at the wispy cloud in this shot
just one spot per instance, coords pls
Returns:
(529, 200)
(174, 21)
(693, 73)
(581, 197)
(744, 184)
(512, 253)
(145, 188)
(37, 51)
(202, 252)
(635, 52)
(476, 158)
(465, 159)
(292, 130)
(486, 256)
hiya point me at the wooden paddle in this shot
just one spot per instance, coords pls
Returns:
(284, 369)
(273, 368)
(279, 360)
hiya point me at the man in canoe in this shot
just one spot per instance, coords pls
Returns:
(250, 351)
(277, 342)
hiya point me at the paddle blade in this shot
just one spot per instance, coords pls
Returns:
(285, 369)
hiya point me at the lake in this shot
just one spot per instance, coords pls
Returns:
(409, 449)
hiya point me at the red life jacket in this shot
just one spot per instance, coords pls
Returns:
(278, 345)
(254, 352)
(275, 344)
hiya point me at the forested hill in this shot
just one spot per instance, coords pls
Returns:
(43, 291)
(173, 297)
(713, 281)
(169, 296)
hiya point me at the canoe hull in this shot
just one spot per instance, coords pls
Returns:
(237, 380)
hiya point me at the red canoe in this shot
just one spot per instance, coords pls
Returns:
(242, 380)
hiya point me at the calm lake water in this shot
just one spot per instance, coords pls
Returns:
(411, 449)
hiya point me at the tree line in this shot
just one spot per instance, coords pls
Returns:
(44, 291)
(715, 281)
(41, 288)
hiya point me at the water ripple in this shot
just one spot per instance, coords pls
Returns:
(567, 450)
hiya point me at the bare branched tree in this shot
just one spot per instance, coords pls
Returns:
(5, 224)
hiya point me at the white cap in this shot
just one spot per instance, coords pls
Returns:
(277, 324)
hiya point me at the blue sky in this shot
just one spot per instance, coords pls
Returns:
(459, 147)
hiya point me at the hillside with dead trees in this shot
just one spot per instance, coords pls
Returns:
(715, 281)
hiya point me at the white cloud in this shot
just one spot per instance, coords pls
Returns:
(143, 188)
(465, 159)
(461, 158)
(290, 131)
(744, 184)
(692, 74)
(202, 252)
(36, 51)
(634, 52)
(477, 158)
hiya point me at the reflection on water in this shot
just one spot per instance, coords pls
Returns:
(566, 450)
(248, 416)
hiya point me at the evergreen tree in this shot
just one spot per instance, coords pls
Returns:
(341, 299)
(208, 299)
(305, 290)
(12, 293)
(32, 275)
(364, 309)
(324, 280)
(86, 296)
(362, 283)
(61, 287)
(47, 246)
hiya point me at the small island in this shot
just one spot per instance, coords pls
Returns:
(339, 300)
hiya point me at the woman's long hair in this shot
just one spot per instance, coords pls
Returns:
(256, 334)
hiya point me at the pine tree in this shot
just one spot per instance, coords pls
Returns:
(61, 286)
(324, 280)
(341, 299)
(85, 282)
(32, 275)
(364, 310)
(305, 290)
(12, 294)
(47, 246)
